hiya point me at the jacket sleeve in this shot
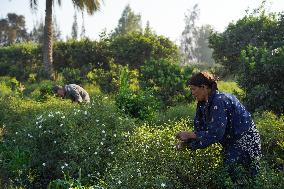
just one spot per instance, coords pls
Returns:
(216, 126)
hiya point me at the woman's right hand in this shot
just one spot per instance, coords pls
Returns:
(185, 136)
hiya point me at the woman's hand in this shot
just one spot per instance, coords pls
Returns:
(185, 135)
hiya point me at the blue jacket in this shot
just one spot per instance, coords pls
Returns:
(223, 119)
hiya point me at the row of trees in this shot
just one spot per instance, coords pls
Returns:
(194, 42)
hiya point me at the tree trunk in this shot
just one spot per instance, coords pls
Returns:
(47, 41)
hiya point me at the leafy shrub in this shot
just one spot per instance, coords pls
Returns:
(262, 78)
(134, 49)
(255, 29)
(84, 55)
(272, 137)
(231, 87)
(20, 60)
(149, 159)
(72, 75)
(10, 86)
(177, 112)
(107, 80)
(41, 91)
(138, 104)
(54, 142)
(167, 79)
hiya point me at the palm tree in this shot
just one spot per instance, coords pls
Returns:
(90, 5)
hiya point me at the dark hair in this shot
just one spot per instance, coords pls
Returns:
(56, 88)
(204, 78)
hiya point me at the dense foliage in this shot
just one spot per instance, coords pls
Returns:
(23, 61)
(67, 146)
(250, 30)
(166, 79)
(262, 78)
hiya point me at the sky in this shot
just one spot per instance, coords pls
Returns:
(166, 17)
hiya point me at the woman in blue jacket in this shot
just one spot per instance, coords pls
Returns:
(221, 118)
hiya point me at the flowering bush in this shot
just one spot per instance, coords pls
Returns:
(149, 160)
(65, 145)
(60, 142)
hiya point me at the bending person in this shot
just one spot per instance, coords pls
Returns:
(73, 92)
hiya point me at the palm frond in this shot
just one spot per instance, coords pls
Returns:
(90, 5)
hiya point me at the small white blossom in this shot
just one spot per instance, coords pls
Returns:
(43, 164)
(119, 182)
(50, 115)
(63, 117)
(163, 185)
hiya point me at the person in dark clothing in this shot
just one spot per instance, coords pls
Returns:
(73, 92)
(221, 118)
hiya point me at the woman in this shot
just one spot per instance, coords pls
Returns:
(221, 118)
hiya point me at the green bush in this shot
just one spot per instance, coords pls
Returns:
(149, 159)
(41, 91)
(272, 137)
(166, 79)
(72, 75)
(84, 55)
(176, 113)
(231, 87)
(262, 79)
(55, 142)
(10, 86)
(254, 29)
(138, 104)
(19, 60)
(107, 80)
(134, 49)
